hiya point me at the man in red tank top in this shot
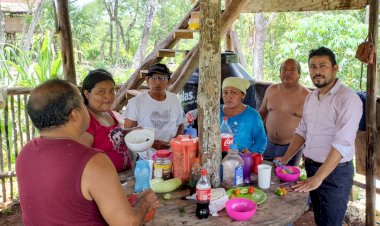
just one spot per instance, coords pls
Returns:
(62, 182)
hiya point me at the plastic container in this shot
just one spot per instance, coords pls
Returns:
(226, 135)
(195, 175)
(257, 159)
(184, 150)
(240, 209)
(232, 169)
(203, 196)
(286, 176)
(162, 165)
(142, 174)
(247, 158)
(193, 24)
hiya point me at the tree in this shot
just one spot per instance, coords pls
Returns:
(140, 52)
(32, 26)
(261, 27)
(2, 30)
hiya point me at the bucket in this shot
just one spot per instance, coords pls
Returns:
(184, 150)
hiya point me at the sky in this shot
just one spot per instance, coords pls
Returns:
(83, 2)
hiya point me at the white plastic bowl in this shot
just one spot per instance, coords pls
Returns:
(139, 140)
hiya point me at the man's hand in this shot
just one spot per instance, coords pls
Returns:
(149, 200)
(158, 144)
(281, 160)
(309, 184)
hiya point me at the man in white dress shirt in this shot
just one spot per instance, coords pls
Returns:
(328, 128)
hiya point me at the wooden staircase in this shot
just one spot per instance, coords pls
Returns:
(165, 49)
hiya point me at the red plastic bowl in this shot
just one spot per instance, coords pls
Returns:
(288, 177)
(240, 209)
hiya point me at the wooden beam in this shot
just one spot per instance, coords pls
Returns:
(135, 81)
(66, 41)
(170, 52)
(184, 34)
(371, 128)
(255, 6)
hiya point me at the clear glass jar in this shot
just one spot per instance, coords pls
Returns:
(162, 165)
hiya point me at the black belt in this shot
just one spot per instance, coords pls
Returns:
(318, 164)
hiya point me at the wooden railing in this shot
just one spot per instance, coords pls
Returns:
(15, 130)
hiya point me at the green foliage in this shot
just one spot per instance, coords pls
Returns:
(31, 68)
(293, 35)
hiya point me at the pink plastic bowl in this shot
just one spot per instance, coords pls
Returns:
(288, 177)
(240, 209)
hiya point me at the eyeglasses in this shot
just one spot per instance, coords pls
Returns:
(159, 78)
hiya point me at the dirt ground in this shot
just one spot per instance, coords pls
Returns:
(13, 217)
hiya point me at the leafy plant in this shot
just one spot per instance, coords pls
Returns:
(28, 69)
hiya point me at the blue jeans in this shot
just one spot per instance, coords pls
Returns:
(276, 150)
(330, 199)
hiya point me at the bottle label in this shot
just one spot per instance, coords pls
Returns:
(162, 171)
(203, 195)
(238, 176)
(226, 142)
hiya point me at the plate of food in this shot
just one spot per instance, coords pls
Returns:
(251, 192)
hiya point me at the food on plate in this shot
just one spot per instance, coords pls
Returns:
(244, 190)
(237, 191)
(251, 190)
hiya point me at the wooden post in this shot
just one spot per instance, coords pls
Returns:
(64, 30)
(209, 89)
(371, 132)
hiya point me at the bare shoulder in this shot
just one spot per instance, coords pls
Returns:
(272, 89)
(305, 91)
(98, 172)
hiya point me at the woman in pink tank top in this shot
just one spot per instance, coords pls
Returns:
(104, 132)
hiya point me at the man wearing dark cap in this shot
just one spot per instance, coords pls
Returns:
(157, 108)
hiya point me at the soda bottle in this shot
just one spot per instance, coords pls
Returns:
(226, 136)
(232, 168)
(195, 175)
(142, 175)
(203, 196)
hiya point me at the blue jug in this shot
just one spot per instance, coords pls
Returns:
(191, 131)
(142, 174)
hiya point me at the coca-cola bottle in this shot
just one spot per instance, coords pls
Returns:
(195, 175)
(203, 196)
(227, 136)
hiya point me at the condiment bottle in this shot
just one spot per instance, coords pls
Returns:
(162, 165)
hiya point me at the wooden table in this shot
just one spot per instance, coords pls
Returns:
(274, 211)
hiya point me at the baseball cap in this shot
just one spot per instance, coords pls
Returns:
(159, 69)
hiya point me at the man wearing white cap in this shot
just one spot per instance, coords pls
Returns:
(244, 121)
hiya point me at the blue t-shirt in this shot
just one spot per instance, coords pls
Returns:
(248, 130)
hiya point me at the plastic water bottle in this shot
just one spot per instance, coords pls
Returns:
(226, 136)
(232, 168)
(203, 196)
(142, 174)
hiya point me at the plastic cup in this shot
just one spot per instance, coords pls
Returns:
(264, 175)
(257, 159)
